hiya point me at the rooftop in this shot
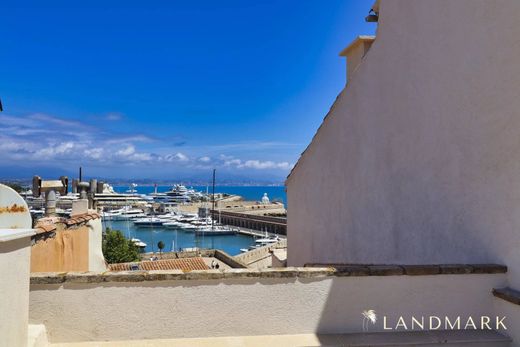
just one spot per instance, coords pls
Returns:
(184, 264)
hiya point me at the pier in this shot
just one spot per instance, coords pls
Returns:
(274, 225)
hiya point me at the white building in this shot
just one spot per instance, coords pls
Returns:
(418, 160)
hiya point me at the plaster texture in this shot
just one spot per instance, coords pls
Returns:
(14, 289)
(74, 312)
(75, 247)
(96, 259)
(418, 160)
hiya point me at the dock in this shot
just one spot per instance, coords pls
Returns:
(252, 222)
(254, 233)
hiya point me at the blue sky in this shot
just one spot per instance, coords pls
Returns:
(169, 89)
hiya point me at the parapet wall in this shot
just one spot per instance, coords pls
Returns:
(240, 302)
(261, 257)
(72, 244)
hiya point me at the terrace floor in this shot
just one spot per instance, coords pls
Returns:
(424, 338)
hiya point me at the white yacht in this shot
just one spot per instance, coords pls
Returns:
(218, 230)
(110, 198)
(110, 216)
(266, 240)
(148, 222)
(172, 224)
(178, 193)
(138, 243)
(124, 213)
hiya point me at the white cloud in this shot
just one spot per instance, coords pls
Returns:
(38, 139)
(125, 152)
(262, 165)
(55, 150)
(230, 161)
(94, 153)
(176, 157)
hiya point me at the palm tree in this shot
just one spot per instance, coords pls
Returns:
(160, 245)
(368, 316)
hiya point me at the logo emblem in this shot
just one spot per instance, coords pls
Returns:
(368, 316)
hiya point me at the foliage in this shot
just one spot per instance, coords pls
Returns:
(160, 245)
(118, 249)
(17, 187)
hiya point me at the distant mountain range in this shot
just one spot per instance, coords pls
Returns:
(159, 182)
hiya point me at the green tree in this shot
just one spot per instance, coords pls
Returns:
(160, 245)
(118, 249)
(17, 187)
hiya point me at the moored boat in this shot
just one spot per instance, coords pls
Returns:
(148, 222)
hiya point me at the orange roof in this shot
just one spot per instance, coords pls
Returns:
(184, 264)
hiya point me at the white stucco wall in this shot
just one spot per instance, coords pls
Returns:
(15, 258)
(96, 261)
(240, 307)
(512, 312)
(419, 159)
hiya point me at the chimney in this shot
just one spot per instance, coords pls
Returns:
(355, 53)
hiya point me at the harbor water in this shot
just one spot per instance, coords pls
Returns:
(176, 239)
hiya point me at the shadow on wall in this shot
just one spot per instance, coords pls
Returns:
(394, 296)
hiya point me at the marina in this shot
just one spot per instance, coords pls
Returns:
(183, 218)
(177, 239)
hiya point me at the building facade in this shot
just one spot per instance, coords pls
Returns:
(418, 160)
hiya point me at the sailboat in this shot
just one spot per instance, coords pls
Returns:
(215, 230)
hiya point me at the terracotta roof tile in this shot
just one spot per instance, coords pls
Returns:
(45, 228)
(184, 264)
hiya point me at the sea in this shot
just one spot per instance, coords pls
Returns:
(177, 239)
(255, 193)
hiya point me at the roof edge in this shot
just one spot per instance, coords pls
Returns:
(357, 41)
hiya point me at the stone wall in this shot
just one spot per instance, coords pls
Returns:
(261, 257)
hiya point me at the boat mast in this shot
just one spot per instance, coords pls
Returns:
(213, 202)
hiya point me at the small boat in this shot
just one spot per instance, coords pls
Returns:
(215, 231)
(267, 241)
(243, 250)
(138, 243)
